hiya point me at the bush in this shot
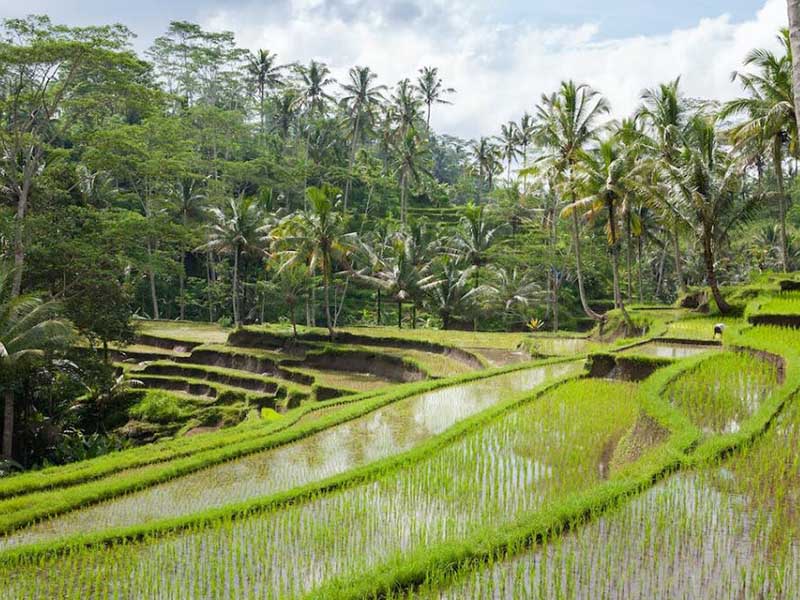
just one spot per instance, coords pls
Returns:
(157, 406)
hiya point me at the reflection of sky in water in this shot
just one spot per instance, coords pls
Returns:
(668, 350)
(381, 433)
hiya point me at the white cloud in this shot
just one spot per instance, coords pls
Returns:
(500, 69)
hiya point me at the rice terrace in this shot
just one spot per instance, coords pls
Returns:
(287, 311)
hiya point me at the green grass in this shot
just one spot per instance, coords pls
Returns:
(188, 331)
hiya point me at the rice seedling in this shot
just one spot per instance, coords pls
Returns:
(517, 464)
(389, 430)
(720, 393)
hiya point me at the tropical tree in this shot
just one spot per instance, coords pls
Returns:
(511, 290)
(266, 74)
(769, 116)
(509, 145)
(451, 294)
(293, 288)
(402, 270)
(411, 156)
(793, 7)
(406, 107)
(485, 157)
(237, 233)
(568, 121)
(432, 91)
(316, 238)
(604, 176)
(526, 132)
(709, 179)
(362, 99)
(29, 326)
(666, 113)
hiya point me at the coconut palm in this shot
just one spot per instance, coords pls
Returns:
(485, 157)
(526, 136)
(411, 155)
(236, 233)
(29, 325)
(793, 7)
(361, 100)
(769, 116)
(451, 294)
(401, 270)
(604, 175)
(316, 238)
(406, 108)
(509, 145)
(293, 288)
(266, 75)
(567, 122)
(314, 81)
(512, 291)
(432, 91)
(709, 180)
(665, 112)
(286, 105)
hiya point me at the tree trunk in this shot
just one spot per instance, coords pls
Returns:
(639, 266)
(711, 274)
(399, 315)
(353, 147)
(235, 288)
(794, 41)
(777, 159)
(8, 425)
(378, 304)
(293, 317)
(19, 240)
(578, 269)
(676, 244)
(326, 284)
(403, 198)
(628, 256)
(152, 277)
(208, 288)
(555, 307)
(414, 316)
(615, 268)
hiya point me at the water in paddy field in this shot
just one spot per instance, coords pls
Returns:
(559, 346)
(670, 350)
(394, 428)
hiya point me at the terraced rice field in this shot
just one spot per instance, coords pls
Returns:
(531, 482)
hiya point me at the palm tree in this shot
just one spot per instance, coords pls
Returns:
(286, 107)
(769, 115)
(293, 287)
(567, 123)
(605, 177)
(665, 112)
(266, 74)
(410, 158)
(190, 208)
(431, 89)
(316, 238)
(361, 100)
(509, 145)
(709, 181)
(451, 294)
(28, 326)
(486, 163)
(793, 7)
(239, 233)
(525, 133)
(314, 79)
(406, 108)
(402, 271)
(511, 290)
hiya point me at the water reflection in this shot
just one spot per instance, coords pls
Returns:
(386, 431)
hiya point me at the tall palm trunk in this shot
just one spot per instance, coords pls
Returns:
(403, 198)
(777, 159)
(399, 314)
(639, 266)
(615, 267)
(793, 7)
(326, 280)
(353, 147)
(8, 425)
(628, 257)
(676, 245)
(378, 306)
(235, 287)
(711, 274)
(579, 269)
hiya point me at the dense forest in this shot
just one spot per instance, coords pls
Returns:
(207, 182)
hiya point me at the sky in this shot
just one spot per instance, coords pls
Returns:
(500, 56)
